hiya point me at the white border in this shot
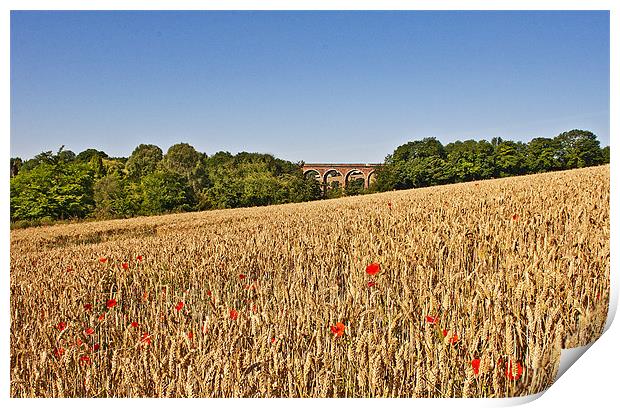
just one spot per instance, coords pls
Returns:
(593, 380)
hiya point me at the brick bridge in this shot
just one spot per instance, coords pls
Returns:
(343, 173)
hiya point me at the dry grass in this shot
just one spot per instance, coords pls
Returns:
(517, 268)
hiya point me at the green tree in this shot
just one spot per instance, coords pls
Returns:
(605, 153)
(143, 161)
(510, 158)
(115, 197)
(578, 148)
(165, 191)
(542, 155)
(86, 155)
(52, 191)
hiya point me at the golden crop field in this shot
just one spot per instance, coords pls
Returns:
(462, 290)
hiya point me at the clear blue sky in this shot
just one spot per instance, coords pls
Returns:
(312, 86)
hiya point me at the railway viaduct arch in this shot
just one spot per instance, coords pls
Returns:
(344, 171)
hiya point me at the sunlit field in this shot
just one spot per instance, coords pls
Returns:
(462, 290)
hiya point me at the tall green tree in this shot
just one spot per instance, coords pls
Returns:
(579, 148)
(542, 155)
(509, 158)
(143, 161)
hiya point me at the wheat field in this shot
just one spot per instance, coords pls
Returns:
(466, 290)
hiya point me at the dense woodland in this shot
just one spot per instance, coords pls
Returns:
(65, 186)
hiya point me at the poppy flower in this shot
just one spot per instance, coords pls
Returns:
(371, 284)
(69, 269)
(475, 364)
(241, 276)
(111, 303)
(390, 205)
(146, 338)
(338, 329)
(273, 340)
(515, 217)
(373, 268)
(101, 317)
(179, 306)
(79, 342)
(58, 352)
(125, 265)
(454, 338)
(139, 258)
(85, 360)
(103, 260)
(96, 347)
(134, 325)
(190, 335)
(88, 306)
(145, 296)
(89, 331)
(512, 375)
(433, 320)
(61, 326)
(234, 314)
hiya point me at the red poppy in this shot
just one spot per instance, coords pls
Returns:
(475, 364)
(69, 269)
(273, 339)
(139, 258)
(179, 306)
(371, 284)
(509, 371)
(454, 338)
(111, 303)
(88, 306)
(89, 331)
(58, 352)
(515, 217)
(103, 260)
(79, 342)
(85, 360)
(389, 205)
(433, 320)
(373, 268)
(61, 326)
(145, 296)
(234, 314)
(338, 329)
(101, 317)
(146, 338)
(134, 325)
(190, 335)
(241, 276)
(125, 265)
(209, 293)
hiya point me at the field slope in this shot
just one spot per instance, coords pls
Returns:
(479, 287)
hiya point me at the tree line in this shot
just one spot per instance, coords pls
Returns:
(90, 184)
(65, 186)
(427, 162)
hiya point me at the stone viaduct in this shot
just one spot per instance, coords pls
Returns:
(343, 173)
